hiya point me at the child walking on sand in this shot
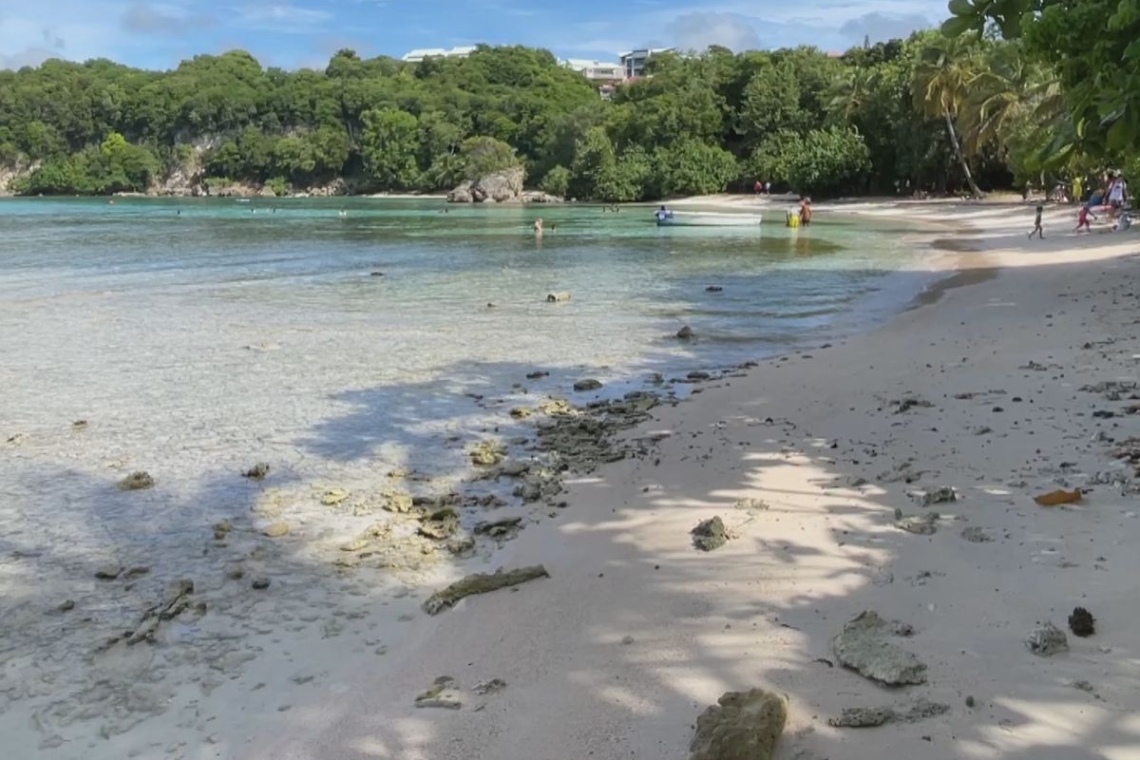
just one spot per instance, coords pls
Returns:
(1038, 230)
(1083, 219)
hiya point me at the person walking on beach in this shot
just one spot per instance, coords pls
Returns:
(1117, 194)
(1038, 230)
(1083, 219)
(758, 187)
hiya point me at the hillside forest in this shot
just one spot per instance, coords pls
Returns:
(1007, 92)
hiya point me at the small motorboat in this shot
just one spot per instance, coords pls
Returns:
(704, 219)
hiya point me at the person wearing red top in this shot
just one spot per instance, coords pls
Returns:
(1083, 219)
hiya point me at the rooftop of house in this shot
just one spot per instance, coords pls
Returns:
(583, 63)
(439, 53)
(645, 51)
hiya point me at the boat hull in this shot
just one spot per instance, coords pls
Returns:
(699, 219)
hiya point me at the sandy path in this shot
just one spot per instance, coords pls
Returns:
(762, 610)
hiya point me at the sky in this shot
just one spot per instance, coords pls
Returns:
(300, 33)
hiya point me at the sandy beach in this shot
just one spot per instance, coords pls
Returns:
(892, 471)
(808, 460)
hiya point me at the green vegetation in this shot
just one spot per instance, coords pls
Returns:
(949, 111)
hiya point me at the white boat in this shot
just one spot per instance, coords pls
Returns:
(705, 219)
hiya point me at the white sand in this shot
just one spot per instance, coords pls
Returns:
(762, 610)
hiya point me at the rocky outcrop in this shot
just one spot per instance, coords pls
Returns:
(537, 196)
(182, 182)
(10, 175)
(338, 187)
(500, 187)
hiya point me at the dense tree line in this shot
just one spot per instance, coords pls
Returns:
(962, 108)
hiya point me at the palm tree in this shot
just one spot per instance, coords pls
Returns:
(1004, 94)
(850, 93)
(942, 84)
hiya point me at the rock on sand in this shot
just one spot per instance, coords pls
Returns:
(862, 646)
(742, 726)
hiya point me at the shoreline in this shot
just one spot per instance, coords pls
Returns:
(636, 632)
(544, 540)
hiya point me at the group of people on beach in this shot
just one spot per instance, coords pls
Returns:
(1113, 195)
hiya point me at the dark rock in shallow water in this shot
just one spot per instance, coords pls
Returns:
(710, 535)
(440, 524)
(136, 481)
(499, 528)
(589, 384)
(109, 571)
(742, 726)
(257, 472)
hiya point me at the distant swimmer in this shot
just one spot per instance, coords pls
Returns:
(805, 211)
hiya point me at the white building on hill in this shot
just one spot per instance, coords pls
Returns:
(416, 56)
(596, 71)
(634, 61)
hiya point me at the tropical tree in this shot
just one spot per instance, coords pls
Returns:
(941, 88)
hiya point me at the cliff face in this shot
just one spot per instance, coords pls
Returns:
(9, 175)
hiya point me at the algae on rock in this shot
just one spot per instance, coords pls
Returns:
(742, 726)
(136, 481)
(710, 534)
(481, 583)
(862, 647)
(487, 453)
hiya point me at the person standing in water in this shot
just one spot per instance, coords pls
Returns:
(805, 212)
(538, 227)
(1038, 230)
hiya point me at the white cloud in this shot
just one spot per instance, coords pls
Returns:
(163, 18)
(697, 31)
(282, 18)
(879, 27)
(32, 31)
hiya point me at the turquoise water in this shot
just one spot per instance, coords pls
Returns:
(264, 319)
